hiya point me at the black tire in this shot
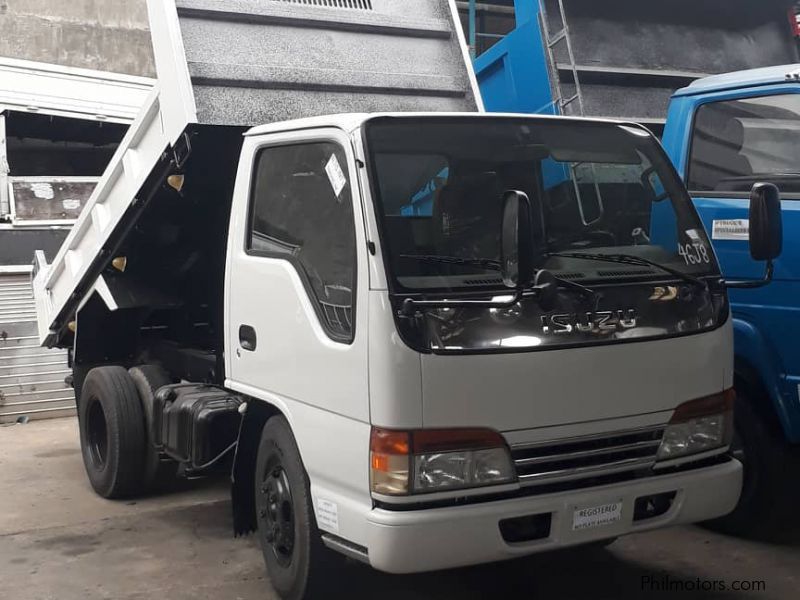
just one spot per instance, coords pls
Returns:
(113, 439)
(767, 506)
(157, 468)
(298, 563)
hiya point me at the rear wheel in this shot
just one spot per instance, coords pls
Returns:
(148, 379)
(770, 486)
(298, 564)
(113, 440)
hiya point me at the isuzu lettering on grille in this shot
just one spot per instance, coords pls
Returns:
(604, 321)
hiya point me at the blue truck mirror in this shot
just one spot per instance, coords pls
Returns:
(766, 226)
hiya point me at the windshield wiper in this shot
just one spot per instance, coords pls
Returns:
(486, 263)
(630, 259)
(493, 265)
(545, 287)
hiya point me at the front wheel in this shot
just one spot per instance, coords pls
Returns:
(298, 564)
(767, 504)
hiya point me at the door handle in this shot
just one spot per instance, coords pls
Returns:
(247, 338)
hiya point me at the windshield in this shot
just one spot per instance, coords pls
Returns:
(737, 143)
(595, 188)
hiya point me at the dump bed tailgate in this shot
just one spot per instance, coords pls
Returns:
(246, 63)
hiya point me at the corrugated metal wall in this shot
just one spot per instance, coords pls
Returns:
(31, 377)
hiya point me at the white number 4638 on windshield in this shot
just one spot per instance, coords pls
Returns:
(694, 254)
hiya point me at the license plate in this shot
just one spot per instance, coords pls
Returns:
(596, 516)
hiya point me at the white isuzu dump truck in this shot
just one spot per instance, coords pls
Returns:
(420, 339)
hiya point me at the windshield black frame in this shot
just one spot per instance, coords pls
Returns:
(705, 306)
(670, 179)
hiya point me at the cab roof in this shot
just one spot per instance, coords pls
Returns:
(351, 121)
(738, 79)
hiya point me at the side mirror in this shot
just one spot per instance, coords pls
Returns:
(516, 258)
(766, 222)
(766, 232)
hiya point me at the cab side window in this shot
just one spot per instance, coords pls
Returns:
(736, 143)
(301, 210)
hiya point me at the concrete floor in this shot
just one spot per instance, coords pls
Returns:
(59, 541)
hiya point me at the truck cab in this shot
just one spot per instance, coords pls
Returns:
(726, 133)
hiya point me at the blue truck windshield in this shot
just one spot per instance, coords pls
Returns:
(737, 143)
(596, 188)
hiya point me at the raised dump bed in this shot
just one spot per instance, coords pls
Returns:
(226, 66)
(629, 55)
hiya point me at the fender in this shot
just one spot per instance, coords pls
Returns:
(753, 350)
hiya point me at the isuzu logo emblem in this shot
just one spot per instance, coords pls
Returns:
(604, 321)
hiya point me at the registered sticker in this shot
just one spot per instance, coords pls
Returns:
(335, 175)
(596, 516)
(731, 229)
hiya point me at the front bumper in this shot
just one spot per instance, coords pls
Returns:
(441, 538)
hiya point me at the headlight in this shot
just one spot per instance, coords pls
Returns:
(468, 468)
(407, 462)
(699, 426)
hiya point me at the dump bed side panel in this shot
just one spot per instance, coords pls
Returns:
(252, 62)
(60, 286)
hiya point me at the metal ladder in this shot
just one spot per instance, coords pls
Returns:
(551, 41)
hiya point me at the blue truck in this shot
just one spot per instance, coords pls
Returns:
(724, 133)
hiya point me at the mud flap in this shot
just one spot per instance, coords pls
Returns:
(244, 466)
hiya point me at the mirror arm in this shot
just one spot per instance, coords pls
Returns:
(753, 283)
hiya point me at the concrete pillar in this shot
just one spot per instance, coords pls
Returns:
(105, 35)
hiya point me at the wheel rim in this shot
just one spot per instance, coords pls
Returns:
(97, 434)
(276, 511)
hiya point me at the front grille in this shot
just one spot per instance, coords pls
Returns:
(493, 281)
(625, 273)
(581, 458)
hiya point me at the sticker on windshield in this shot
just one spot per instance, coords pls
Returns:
(335, 175)
(695, 252)
(694, 236)
(731, 229)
